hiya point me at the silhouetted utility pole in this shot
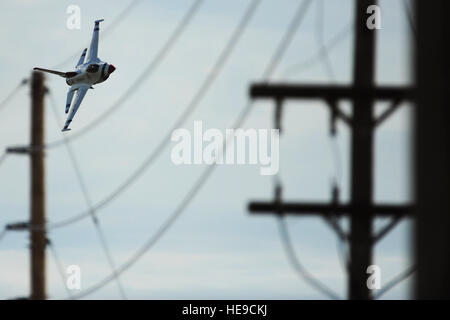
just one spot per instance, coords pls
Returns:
(362, 155)
(363, 94)
(37, 218)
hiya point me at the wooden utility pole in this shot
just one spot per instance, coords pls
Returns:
(37, 192)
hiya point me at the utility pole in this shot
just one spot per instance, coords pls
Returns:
(362, 154)
(36, 151)
(363, 124)
(37, 190)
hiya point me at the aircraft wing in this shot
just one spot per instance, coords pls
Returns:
(81, 92)
(93, 49)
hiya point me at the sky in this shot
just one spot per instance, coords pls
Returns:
(216, 249)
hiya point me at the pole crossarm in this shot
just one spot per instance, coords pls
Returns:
(18, 226)
(283, 91)
(306, 209)
(19, 149)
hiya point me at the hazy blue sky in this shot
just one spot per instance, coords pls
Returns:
(216, 249)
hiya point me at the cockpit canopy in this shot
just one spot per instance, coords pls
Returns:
(92, 68)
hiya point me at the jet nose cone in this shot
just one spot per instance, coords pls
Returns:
(111, 68)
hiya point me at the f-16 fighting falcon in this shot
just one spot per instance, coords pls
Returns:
(87, 73)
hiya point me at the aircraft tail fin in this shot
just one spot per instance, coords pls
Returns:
(81, 60)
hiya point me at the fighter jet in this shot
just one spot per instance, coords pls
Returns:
(87, 72)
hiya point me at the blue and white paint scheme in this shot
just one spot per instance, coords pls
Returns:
(89, 70)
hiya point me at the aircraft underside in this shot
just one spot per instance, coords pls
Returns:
(90, 70)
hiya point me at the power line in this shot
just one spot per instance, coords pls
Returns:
(321, 40)
(192, 105)
(290, 252)
(136, 84)
(285, 42)
(341, 239)
(117, 20)
(333, 222)
(59, 265)
(3, 157)
(337, 160)
(363, 93)
(11, 95)
(3, 233)
(273, 63)
(87, 199)
(319, 55)
(398, 279)
(409, 17)
(121, 17)
(107, 31)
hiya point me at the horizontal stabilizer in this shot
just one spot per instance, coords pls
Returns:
(69, 74)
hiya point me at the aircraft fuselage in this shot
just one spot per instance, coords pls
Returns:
(91, 73)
